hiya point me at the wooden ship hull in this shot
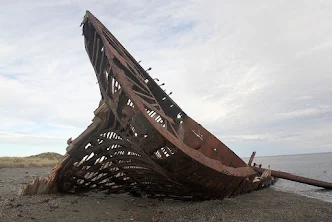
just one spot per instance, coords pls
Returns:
(141, 142)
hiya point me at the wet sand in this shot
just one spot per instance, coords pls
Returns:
(263, 205)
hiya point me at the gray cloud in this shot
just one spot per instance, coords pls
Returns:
(257, 74)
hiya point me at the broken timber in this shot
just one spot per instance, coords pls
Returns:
(142, 142)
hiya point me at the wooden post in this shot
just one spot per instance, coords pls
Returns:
(251, 158)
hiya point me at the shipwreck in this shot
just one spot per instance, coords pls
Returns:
(141, 142)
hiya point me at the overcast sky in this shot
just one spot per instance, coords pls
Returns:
(257, 74)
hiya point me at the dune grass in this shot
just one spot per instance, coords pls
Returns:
(40, 160)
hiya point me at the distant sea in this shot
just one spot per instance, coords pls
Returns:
(315, 166)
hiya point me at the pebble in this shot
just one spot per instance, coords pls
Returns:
(53, 205)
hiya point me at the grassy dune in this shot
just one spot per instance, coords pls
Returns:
(40, 160)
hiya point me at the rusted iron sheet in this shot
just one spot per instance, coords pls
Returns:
(140, 141)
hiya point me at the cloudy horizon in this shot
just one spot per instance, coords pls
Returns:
(256, 74)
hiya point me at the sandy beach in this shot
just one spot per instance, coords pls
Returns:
(263, 205)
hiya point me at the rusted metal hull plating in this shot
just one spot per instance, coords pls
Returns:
(142, 142)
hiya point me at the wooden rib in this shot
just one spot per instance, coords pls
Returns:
(157, 111)
(93, 46)
(141, 94)
(141, 88)
(97, 52)
(176, 134)
(155, 105)
(101, 62)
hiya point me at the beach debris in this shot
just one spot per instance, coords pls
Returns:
(42, 185)
(295, 178)
(141, 142)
